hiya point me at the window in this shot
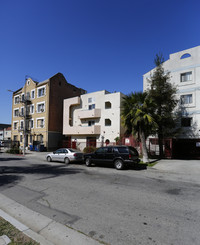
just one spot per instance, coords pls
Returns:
(186, 122)
(186, 99)
(31, 139)
(20, 138)
(90, 107)
(91, 123)
(22, 111)
(15, 137)
(16, 99)
(23, 97)
(21, 124)
(32, 94)
(40, 138)
(108, 105)
(31, 109)
(41, 91)
(107, 122)
(31, 123)
(185, 56)
(15, 125)
(91, 100)
(40, 123)
(187, 76)
(40, 107)
(16, 112)
(28, 95)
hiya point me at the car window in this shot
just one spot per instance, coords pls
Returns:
(123, 150)
(101, 150)
(58, 151)
(109, 150)
(65, 151)
(133, 151)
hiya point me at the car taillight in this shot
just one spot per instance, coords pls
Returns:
(75, 154)
(129, 156)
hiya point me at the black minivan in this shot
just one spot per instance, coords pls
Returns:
(119, 156)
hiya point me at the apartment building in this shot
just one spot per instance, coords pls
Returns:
(92, 119)
(184, 68)
(5, 132)
(37, 111)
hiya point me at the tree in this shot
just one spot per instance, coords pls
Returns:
(162, 93)
(136, 117)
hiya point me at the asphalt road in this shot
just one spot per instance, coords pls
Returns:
(153, 206)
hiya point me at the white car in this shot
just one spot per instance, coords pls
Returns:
(65, 155)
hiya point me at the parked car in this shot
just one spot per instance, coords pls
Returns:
(65, 155)
(118, 156)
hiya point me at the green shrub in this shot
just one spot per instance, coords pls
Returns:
(14, 150)
(89, 149)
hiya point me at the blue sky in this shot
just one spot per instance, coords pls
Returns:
(95, 44)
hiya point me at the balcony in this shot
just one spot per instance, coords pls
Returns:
(79, 130)
(94, 113)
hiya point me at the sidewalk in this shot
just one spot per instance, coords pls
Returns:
(39, 227)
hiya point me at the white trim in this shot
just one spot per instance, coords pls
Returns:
(16, 97)
(17, 125)
(44, 91)
(40, 118)
(32, 119)
(40, 103)
(34, 94)
(15, 109)
(193, 104)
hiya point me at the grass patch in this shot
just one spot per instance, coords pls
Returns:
(17, 237)
(150, 164)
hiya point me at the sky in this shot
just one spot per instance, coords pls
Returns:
(95, 44)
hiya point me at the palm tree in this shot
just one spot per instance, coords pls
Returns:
(137, 117)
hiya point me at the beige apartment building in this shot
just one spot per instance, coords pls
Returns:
(92, 119)
(37, 111)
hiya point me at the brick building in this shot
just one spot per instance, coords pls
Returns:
(37, 111)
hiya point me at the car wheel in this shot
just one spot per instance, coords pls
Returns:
(88, 162)
(119, 164)
(49, 159)
(66, 160)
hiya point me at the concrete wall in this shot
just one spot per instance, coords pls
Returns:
(107, 110)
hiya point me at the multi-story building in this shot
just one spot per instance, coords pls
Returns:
(184, 68)
(37, 111)
(5, 131)
(92, 119)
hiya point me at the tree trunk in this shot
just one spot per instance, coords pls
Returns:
(160, 142)
(144, 147)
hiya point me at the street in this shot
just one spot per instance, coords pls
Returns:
(127, 207)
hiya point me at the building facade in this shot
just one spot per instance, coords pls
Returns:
(92, 119)
(37, 111)
(5, 132)
(184, 68)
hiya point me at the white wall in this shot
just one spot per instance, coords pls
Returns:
(176, 66)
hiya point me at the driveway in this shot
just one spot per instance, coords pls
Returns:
(188, 170)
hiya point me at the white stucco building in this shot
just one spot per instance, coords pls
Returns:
(184, 68)
(92, 119)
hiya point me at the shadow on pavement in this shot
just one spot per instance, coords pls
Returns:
(9, 179)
